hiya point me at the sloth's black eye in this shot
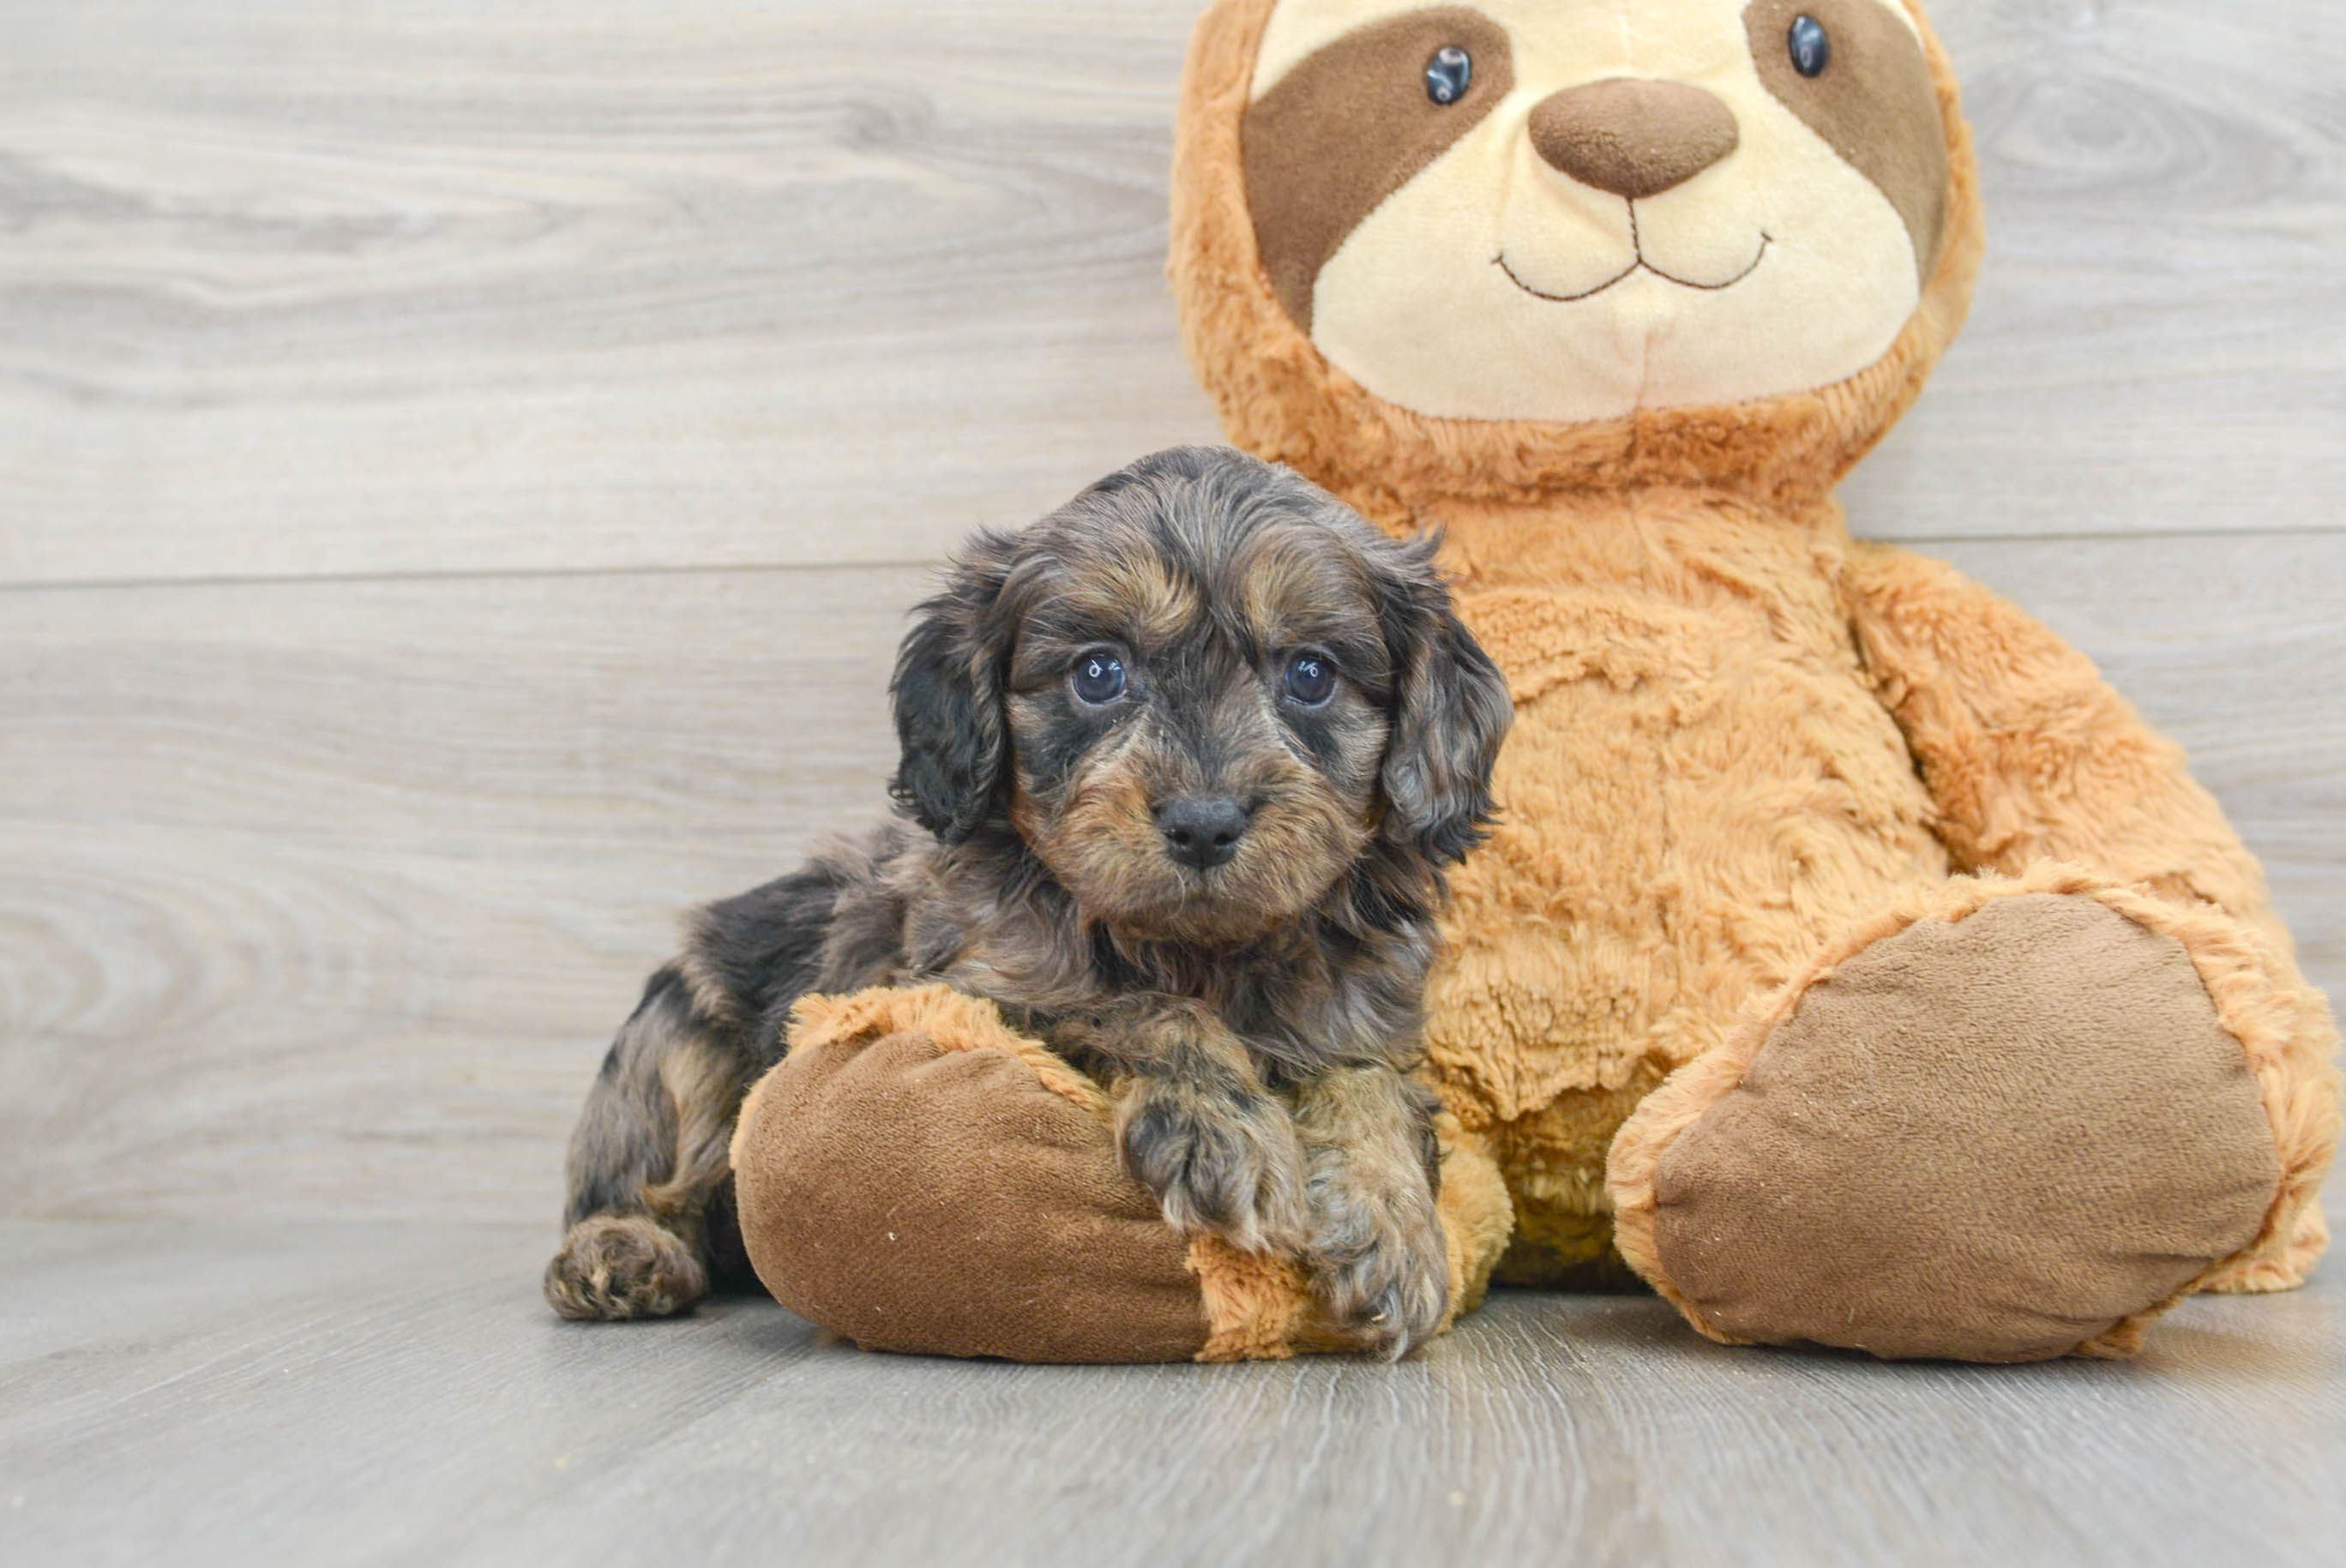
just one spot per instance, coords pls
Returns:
(1099, 677)
(1448, 75)
(1812, 46)
(1310, 679)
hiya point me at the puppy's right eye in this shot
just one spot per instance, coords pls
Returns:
(1310, 679)
(1099, 677)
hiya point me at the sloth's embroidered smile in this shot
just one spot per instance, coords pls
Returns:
(1639, 265)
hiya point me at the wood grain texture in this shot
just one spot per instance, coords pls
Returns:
(327, 898)
(322, 899)
(356, 1394)
(2162, 316)
(572, 283)
(563, 284)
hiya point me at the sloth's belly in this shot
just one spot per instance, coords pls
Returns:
(1694, 800)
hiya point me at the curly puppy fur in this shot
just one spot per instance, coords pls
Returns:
(1183, 764)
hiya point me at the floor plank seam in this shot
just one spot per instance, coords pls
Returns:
(1926, 542)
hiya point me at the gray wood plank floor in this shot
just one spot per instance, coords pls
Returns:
(385, 1394)
(462, 466)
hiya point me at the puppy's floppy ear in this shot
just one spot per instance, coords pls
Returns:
(947, 694)
(1450, 710)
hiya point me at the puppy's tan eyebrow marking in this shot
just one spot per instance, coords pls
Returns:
(1351, 124)
(1295, 594)
(1291, 595)
(1132, 593)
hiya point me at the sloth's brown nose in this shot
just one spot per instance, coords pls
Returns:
(1635, 138)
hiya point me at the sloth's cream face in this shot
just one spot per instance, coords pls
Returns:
(1570, 210)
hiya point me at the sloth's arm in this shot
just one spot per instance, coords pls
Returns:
(918, 1177)
(2028, 753)
(2030, 756)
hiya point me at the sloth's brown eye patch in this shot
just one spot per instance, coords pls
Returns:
(1355, 122)
(1857, 76)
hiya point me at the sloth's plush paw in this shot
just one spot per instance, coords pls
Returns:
(1224, 1162)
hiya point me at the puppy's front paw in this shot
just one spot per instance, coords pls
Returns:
(1225, 1162)
(1379, 1257)
(614, 1267)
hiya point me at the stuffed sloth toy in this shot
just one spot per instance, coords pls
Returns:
(1848, 960)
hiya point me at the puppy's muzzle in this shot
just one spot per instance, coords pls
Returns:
(1202, 834)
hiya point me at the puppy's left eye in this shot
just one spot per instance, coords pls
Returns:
(1310, 679)
(1099, 677)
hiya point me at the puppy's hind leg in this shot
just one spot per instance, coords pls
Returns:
(647, 1161)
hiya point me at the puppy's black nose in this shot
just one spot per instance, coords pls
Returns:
(1203, 833)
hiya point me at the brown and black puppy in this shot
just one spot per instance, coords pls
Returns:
(1186, 759)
